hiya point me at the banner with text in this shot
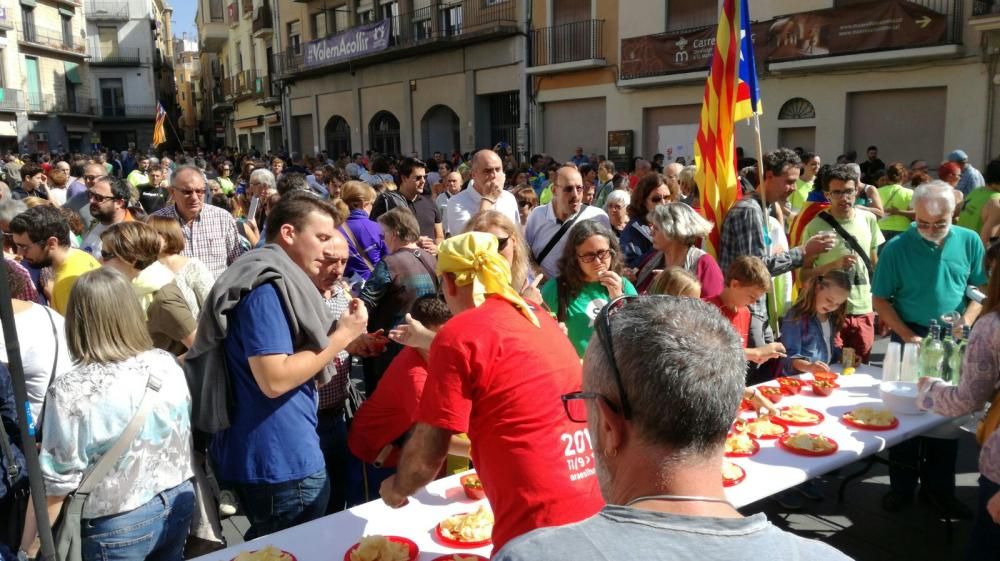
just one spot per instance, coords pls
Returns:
(835, 31)
(355, 42)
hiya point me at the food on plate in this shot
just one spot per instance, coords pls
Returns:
(740, 443)
(475, 526)
(473, 487)
(790, 385)
(810, 442)
(798, 414)
(763, 427)
(731, 473)
(822, 387)
(380, 548)
(770, 392)
(825, 376)
(269, 553)
(871, 417)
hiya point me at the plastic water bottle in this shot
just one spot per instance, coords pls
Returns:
(932, 353)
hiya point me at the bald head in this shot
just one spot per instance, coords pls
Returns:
(567, 192)
(671, 176)
(487, 173)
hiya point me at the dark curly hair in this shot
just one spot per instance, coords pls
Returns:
(571, 276)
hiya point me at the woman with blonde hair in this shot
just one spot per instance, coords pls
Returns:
(365, 242)
(511, 246)
(675, 281)
(142, 508)
(191, 275)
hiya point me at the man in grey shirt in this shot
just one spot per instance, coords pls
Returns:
(660, 385)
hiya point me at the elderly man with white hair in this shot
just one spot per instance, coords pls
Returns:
(923, 273)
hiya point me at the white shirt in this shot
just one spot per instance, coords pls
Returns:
(92, 241)
(542, 225)
(38, 351)
(462, 206)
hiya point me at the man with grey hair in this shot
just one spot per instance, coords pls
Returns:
(671, 177)
(661, 381)
(210, 233)
(486, 193)
(922, 274)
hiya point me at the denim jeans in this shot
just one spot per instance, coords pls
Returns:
(984, 543)
(271, 507)
(332, 431)
(155, 531)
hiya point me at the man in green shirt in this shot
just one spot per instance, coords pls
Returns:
(981, 209)
(138, 176)
(840, 188)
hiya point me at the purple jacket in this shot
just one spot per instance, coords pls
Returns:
(369, 239)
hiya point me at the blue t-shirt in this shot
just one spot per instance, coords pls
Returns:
(270, 440)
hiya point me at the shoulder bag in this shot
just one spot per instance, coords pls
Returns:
(357, 248)
(69, 544)
(851, 241)
(52, 374)
(558, 236)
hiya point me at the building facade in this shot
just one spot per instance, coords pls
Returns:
(401, 77)
(187, 76)
(917, 79)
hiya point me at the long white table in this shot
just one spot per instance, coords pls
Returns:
(774, 469)
(770, 471)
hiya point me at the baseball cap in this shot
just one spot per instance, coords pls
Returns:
(353, 170)
(958, 156)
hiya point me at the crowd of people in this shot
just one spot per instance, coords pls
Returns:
(307, 334)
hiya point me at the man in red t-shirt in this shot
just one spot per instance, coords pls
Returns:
(497, 371)
(747, 279)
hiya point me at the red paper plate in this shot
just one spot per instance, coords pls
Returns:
(782, 421)
(783, 441)
(451, 557)
(736, 427)
(772, 393)
(790, 386)
(736, 481)
(414, 550)
(852, 423)
(456, 543)
(284, 555)
(756, 448)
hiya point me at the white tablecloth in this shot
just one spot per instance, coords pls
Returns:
(770, 471)
(773, 469)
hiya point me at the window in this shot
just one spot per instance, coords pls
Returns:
(295, 37)
(341, 18)
(319, 25)
(238, 58)
(67, 31)
(28, 22)
(112, 97)
(684, 14)
(107, 38)
(216, 11)
(366, 11)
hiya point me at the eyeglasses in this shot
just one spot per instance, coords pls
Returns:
(602, 325)
(107, 255)
(601, 255)
(940, 225)
(523, 204)
(850, 194)
(100, 198)
(572, 188)
(418, 177)
(91, 177)
(614, 207)
(502, 245)
(190, 192)
(575, 404)
(657, 199)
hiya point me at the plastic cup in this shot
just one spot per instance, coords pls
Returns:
(910, 369)
(892, 362)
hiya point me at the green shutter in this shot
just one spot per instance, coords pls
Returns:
(72, 72)
(28, 3)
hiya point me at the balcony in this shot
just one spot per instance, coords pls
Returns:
(6, 19)
(107, 11)
(571, 46)
(49, 40)
(50, 103)
(933, 30)
(11, 100)
(262, 26)
(267, 92)
(456, 24)
(247, 7)
(985, 15)
(242, 85)
(116, 111)
(117, 57)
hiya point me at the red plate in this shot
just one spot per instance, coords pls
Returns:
(789, 386)
(414, 550)
(782, 421)
(456, 543)
(739, 422)
(738, 480)
(783, 441)
(756, 448)
(850, 422)
(284, 555)
(451, 557)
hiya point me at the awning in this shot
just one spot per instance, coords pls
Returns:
(247, 123)
(66, 12)
(72, 72)
(28, 3)
(8, 127)
(272, 119)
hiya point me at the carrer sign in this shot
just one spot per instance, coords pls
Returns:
(355, 42)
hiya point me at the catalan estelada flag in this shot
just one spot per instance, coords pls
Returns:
(731, 95)
(159, 132)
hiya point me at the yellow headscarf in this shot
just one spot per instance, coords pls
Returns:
(473, 259)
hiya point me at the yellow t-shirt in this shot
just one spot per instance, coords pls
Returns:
(897, 197)
(77, 263)
(798, 197)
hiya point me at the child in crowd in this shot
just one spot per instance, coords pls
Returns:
(383, 422)
(747, 280)
(808, 329)
(676, 281)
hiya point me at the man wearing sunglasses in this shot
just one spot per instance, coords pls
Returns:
(660, 385)
(108, 205)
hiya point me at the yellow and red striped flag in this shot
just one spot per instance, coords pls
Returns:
(159, 132)
(731, 95)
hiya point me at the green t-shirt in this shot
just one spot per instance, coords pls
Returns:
(897, 197)
(971, 216)
(864, 228)
(924, 280)
(226, 184)
(798, 197)
(545, 197)
(582, 310)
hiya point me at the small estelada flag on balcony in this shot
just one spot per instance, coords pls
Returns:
(159, 132)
